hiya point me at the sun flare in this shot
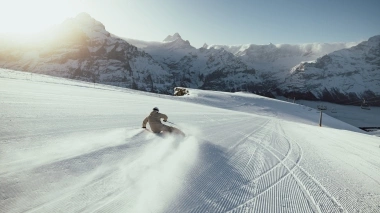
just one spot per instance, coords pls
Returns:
(26, 16)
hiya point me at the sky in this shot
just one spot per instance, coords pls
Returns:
(213, 21)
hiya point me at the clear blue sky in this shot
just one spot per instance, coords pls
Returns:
(216, 21)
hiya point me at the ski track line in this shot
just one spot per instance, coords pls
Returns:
(67, 193)
(210, 165)
(243, 140)
(107, 201)
(303, 187)
(226, 194)
(316, 182)
(60, 159)
(203, 174)
(282, 162)
(258, 129)
(257, 178)
(261, 175)
(216, 161)
(262, 137)
(327, 193)
(236, 196)
(306, 173)
(223, 199)
(278, 181)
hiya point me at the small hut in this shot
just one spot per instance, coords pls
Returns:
(180, 91)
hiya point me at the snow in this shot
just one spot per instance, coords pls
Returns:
(352, 71)
(71, 146)
(350, 114)
(174, 37)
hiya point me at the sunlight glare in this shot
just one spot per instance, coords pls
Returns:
(26, 16)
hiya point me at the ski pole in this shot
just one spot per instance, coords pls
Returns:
(171, 122)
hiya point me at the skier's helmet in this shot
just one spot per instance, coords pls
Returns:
(156, 109)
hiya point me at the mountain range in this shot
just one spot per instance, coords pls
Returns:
(81, 48)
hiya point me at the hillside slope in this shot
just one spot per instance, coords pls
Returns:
(347, 76)
(69, 146)
(81, 48)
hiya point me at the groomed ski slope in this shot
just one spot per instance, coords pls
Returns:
(68, 146)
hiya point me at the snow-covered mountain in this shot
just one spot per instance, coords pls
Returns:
(275, 60)
(81, 48)
(287, 55)
(205, 68)
(345, 76)
(273, 66)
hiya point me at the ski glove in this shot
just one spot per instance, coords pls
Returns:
(144, 127)
(165, 120)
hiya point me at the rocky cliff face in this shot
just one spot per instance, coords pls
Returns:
(347, 76)
(213, 69)
(275, 61)
(81, 48)
(274, 69)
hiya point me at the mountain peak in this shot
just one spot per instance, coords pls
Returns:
(86, 20)
(83, 16)
(87, 24)
(174, 37)
(374, 38)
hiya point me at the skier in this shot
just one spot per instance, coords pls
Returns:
(154, 119)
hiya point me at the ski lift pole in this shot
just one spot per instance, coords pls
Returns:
(320, 119)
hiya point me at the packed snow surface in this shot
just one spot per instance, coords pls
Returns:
(68, 146)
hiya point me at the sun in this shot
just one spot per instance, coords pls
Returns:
(32, 16)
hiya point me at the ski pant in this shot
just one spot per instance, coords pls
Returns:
(165, 128)
(162, 127)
